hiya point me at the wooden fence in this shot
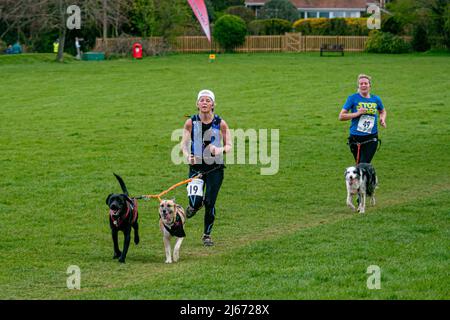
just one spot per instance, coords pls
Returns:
(289, 42)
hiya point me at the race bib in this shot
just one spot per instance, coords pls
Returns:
(366, 123)
(195, 188)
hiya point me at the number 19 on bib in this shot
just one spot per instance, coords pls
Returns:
(195, 188)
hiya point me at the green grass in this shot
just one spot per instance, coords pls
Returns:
(64, 128)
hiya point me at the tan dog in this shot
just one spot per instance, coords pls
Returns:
(171, 223)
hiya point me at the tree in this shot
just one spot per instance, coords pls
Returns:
(11, 15)
(160, 17)
(21, 20)
(107, 16)
(144, 17)
(447, 26)
(172, 16)
(420, 39)
(210, 9)
(392, 25)
(62, 30)
(230, 32)
(220, 5)
(37, 23)
(430, 14)
(246, 14)
(279, 9)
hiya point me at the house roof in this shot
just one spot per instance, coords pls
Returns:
(342, 4)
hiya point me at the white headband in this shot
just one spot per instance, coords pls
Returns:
(206, 93)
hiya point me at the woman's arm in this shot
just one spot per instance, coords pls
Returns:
(226, 135)
(186, 141)
(383, 114)
(344, 115)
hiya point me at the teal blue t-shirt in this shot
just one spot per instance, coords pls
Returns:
(366, 123)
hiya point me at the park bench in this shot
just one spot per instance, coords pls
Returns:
(331, 48)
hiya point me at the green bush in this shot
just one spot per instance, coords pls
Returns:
(357, 26)
(385, 42)
(230, 31)
(257, 27)
(330, 27)
(245, 13)
(315, 26)
(269, 27)
(391, 25)
(337, 27)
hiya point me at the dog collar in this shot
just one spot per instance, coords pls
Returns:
(118, 221)
(174, 221)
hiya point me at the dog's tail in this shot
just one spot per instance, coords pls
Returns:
(122, 184)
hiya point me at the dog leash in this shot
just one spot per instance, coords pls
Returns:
(159, 195)
(358, 144)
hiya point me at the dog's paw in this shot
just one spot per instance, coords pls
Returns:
(168, 261)
(361, 210)
(176, 257)
(117, 255)
(136, 240)
(122, 260)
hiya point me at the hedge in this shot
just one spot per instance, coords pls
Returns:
(385, 42)
(334, 26)
(269, 27)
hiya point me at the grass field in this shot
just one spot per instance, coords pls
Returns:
(64, 128)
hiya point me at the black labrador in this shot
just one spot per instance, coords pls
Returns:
(123, 215)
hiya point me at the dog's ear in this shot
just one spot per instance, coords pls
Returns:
(107, 199)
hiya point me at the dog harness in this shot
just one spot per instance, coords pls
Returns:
(358, 144)
(132, 207)
(176, 229)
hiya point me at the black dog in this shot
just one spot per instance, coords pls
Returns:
(123, 215)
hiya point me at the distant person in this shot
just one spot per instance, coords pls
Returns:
(77, 47)
(56, 46)
(9, 50)
(362, 108)
(16, 48)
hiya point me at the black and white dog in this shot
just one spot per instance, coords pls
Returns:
(361, 180)
(123, 215)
